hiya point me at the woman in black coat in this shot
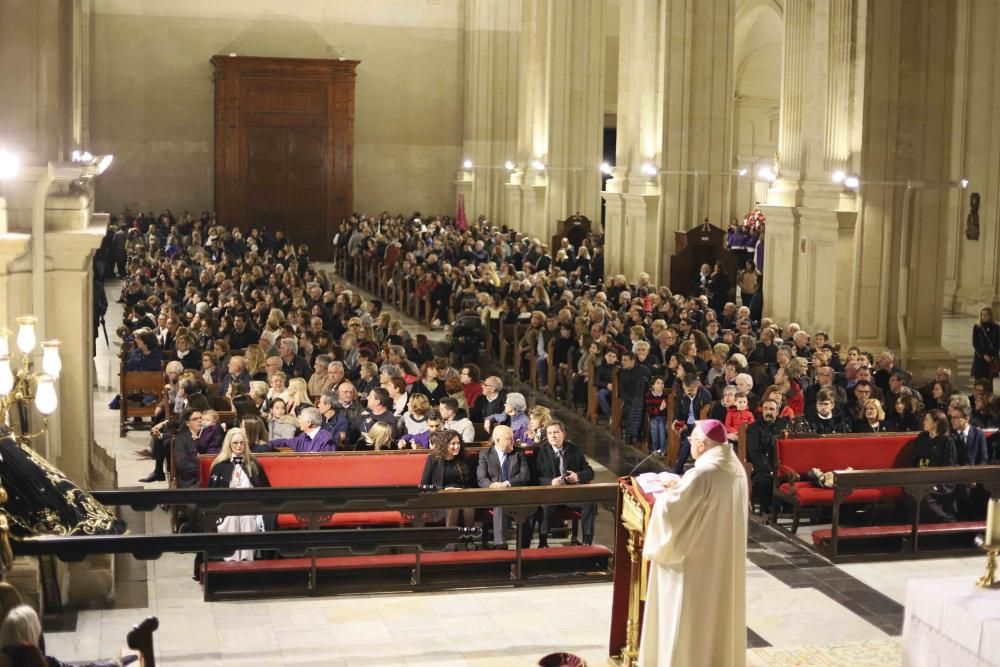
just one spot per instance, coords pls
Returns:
(446, 469)
(986, 343)
(934, 449)
(873, 418)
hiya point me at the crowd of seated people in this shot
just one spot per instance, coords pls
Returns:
(301, 362)
(646, 346)
(308, 364)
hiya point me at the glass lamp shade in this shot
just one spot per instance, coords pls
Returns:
(45, 394)
(4, 341)
(6, 376)
(26, 334)
(51, 363)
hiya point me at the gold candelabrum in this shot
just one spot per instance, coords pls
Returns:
(19, 387)
(991, 544)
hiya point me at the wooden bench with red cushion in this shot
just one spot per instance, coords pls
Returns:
(796, 456)
(337, 469)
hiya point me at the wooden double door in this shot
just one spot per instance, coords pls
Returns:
(284, 146)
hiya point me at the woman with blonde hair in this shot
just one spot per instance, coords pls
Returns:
(872, 418)
(298, 394)
(415, 417)
(237, 468)
(256, 362)
(538, 418)
(379, 437)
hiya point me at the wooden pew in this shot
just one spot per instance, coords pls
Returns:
(133, 386)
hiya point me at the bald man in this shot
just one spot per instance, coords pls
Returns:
(696, 544)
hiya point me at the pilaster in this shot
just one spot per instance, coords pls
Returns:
(491, 46)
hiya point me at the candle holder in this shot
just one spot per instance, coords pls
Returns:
(989, 579)
(21, 387)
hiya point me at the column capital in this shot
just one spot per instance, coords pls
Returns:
(13, 246)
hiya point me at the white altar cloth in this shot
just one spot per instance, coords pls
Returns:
(951, 623)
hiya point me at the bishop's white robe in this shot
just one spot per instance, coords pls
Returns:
(696, 544)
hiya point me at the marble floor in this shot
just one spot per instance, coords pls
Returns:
(801, 609)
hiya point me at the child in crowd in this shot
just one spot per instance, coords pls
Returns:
(210, 440)
(656, 408)
(739, 414)
(281, 425)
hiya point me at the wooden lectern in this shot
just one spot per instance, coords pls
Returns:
(630, 575)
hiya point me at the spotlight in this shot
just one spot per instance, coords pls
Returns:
(965, 183)
(767, 174)
(852, 182)
(650, 169)
(508, 165)
(467, 164)
(10, 164)
(104, 162)
(538, 165)
(838, 176)
(605, 168)
(742, 172)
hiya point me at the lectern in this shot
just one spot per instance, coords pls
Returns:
(630, 575)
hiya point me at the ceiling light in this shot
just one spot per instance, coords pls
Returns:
(538, 165)
(650, 169)
(838, 176)
(767, 174)
(852, 182)
(605, 168)
(964, 182)
(742, 172)
(467, 164)
(508, 165)
(10, 164)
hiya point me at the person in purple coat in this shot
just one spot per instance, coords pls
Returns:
(312, 438)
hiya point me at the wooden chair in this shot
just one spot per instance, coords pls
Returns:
(135, 385)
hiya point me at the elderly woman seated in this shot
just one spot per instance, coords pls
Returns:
(514, 415)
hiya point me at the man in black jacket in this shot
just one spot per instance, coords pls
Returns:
(761, 449)
(825, 416)
(687, 410)
(242, 334)
(561, 462)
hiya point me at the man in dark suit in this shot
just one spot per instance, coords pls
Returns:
(971, 450)
(761, 450)
(560, 462)
(242, 334)
(237, 373)
(501, 467)
(970, 441)
(687, 410)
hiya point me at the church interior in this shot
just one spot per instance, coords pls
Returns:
(500, 332)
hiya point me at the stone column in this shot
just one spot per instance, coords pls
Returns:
(491, 42)
(675, 114)
(560, 113)
(795, 52)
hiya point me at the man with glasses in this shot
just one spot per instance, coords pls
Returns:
(825, 380)
(491, 403)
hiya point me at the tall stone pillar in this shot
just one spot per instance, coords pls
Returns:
(490, 103)
(675, 116)
(907, 117)
(560, 114)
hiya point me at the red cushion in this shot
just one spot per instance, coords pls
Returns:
(346, 520)
(809, 494)
(840, 453)
(335, 469)
(901, 530)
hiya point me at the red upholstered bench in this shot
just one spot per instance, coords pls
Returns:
(823, 536)
(347, 469)
(241, 573)
(796, 456)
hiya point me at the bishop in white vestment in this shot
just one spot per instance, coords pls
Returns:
(696, 544)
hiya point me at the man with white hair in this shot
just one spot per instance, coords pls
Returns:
(696, 544)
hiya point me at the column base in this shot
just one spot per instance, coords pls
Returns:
(922, 362)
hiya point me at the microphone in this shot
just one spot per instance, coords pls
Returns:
(639, 464)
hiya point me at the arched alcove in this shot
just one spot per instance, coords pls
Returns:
(757, 88)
